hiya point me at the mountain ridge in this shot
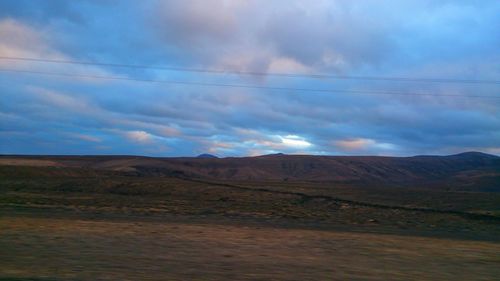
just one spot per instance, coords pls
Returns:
(470, 170)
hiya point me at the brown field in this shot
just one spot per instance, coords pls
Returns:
(28, 162)
(85, 249)
(73, 221)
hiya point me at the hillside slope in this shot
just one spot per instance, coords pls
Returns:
(471, 170)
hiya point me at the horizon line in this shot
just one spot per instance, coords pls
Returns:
(246, 156)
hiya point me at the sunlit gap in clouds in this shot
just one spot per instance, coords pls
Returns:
(294, 141)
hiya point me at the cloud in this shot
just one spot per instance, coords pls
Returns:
(86, 137)
(248, 142)
(369, 38)
(192, 22)
(219, 147)
(294, 141)
(362, 145)
(169, 132)
(342, 37)
(61, 100)
(354, 144)
(139, 136)
(332, 34)
(20, 40)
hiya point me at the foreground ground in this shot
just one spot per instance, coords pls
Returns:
(80, 224)
(96, 249)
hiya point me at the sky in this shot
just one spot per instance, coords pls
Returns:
(80, 113)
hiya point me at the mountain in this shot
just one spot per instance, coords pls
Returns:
(465, 171)
(206, 155)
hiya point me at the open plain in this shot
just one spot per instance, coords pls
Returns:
(85, 218)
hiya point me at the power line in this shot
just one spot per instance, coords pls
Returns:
(252, 73)
(239, 85)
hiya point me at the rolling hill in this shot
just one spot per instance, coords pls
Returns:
(465, 171)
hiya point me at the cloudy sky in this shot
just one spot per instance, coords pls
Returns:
(80, 114)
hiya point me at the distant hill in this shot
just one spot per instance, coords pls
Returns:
(465, 171)
(206, 155)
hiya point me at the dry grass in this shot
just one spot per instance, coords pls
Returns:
(68, 249)
(85, 224)
(170, 196)
(28, 162)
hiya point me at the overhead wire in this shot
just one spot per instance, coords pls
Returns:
(254, 73)
(210, 84)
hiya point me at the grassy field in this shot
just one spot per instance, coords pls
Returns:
(78, 224)
(83, 249)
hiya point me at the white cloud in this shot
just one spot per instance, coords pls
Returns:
(294, 141)
(139, 136)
